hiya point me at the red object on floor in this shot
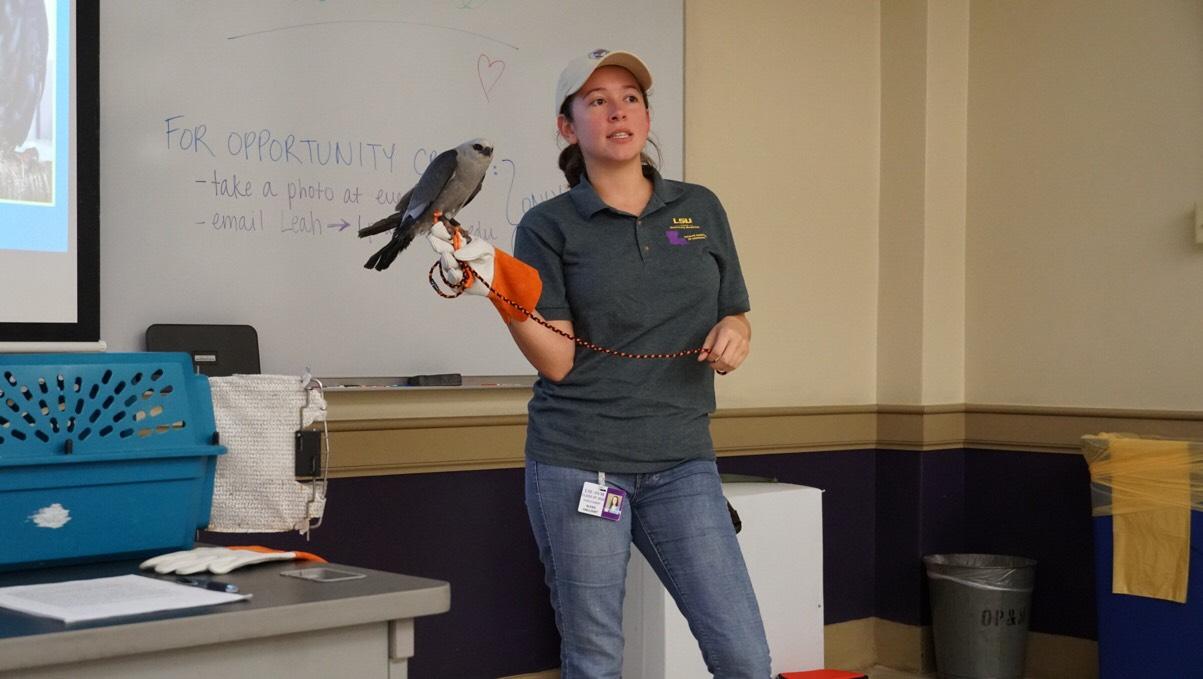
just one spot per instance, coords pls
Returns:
(823, 674)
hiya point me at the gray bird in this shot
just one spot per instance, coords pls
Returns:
(450, 182)
(24, 40)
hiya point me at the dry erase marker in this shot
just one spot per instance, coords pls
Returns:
(214, 585)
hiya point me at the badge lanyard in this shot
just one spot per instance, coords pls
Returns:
(599, 500)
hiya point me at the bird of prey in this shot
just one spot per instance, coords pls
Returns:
(24, 40)
(450, 182)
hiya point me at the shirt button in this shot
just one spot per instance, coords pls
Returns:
(647, 248)
(638, 222)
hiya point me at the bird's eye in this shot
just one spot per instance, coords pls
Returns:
(478, 147)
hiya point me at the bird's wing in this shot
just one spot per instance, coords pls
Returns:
(403, 204)
(475, 191)
(431, 184)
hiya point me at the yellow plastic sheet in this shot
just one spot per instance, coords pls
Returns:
(1149, 487)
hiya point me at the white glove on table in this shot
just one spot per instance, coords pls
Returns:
(218, 560)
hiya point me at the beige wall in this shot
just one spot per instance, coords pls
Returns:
(1084, 285)
(901, 214)
(782, 122)
(921, 284)
(942, 201)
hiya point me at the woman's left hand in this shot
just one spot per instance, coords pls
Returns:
(727, 344)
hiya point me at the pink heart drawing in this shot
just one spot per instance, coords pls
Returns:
(489, 71)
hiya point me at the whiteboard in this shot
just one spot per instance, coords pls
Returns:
(244, 143)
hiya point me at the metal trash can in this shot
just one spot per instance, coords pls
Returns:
(979, 606)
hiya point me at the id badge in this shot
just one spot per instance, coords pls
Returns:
(598, 500)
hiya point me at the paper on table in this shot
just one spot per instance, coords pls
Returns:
(80, 600)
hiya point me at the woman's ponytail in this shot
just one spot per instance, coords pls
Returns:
(572, 164)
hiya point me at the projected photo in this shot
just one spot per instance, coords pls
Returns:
(27, 101)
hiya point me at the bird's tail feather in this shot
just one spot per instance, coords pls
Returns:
(390, 222)
(385, 255)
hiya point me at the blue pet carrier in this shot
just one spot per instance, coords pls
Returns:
(102, 456)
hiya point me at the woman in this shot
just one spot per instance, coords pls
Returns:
(618, 449)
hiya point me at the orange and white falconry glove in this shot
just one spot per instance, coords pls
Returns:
(508, 276)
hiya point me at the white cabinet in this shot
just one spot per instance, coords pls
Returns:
(782, 542)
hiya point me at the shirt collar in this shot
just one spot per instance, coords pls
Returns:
(588, 203)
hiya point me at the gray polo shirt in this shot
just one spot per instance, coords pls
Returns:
(653, 283)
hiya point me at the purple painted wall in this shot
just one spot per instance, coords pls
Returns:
(1038, 505)
(882, 511)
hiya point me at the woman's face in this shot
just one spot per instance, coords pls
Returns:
(610, 119)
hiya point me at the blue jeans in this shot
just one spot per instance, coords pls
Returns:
(679, 521)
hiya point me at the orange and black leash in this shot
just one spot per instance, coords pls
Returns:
(470, 275)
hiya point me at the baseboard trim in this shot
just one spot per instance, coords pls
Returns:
(863, 643)
(545, 674)
(1052, 656)
(850, 645)
(904, 647)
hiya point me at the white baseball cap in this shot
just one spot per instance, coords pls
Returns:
(578, 71)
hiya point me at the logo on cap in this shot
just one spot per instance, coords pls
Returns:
(598, 54)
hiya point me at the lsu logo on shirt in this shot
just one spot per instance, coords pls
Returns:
(683, 231)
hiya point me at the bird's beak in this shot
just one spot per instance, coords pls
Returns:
(488, 152)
